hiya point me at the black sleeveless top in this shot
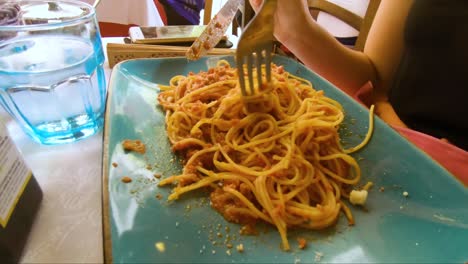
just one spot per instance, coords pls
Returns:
(430, 92)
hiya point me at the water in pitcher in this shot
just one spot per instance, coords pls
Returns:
(54, 86)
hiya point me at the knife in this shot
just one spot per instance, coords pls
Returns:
(215, 30)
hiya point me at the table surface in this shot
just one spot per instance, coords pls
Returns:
(68, 226)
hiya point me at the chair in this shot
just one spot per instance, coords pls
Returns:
(246, 14)
(161, 11)
(361, 24)
(207, 11)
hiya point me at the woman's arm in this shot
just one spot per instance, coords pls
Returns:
(322, 53)
(384, 45)
(344, 67)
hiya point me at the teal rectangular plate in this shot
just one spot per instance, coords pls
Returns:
(430, 225)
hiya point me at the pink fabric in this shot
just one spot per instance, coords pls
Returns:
(452, 158)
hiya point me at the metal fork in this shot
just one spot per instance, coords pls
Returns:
(255, 47)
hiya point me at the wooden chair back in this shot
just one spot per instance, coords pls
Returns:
(246, 13)
(207, 11)
(361, 24)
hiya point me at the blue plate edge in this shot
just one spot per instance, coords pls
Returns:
(106, 223)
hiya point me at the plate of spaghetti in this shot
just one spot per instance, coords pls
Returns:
(299, 172)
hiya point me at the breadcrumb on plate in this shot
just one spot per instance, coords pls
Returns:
(240, 248)
(126, 179)
(358, 197)
(160, 246)
(302, 242)
(134, 145)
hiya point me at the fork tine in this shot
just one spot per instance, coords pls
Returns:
(240, 73)
(258, 64)
(256, 37)
(250, 74)
(268, 52)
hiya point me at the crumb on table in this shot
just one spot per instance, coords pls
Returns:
(114, 164)
(134, 145)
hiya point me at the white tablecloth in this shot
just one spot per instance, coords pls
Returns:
(139, 12)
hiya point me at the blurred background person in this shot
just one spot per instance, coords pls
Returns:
(182, 12)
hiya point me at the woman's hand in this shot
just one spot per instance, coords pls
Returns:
(289, 16)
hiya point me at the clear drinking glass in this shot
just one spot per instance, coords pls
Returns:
(51, 69)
